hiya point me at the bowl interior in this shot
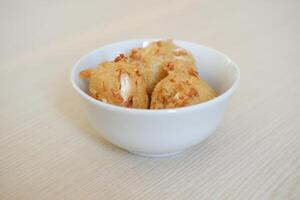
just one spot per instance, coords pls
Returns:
(214, 67)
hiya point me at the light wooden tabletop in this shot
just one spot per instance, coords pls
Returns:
(48, 150)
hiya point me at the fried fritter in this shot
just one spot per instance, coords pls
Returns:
(161, 70)
(119, 83)
(180, 89)
(154, 58)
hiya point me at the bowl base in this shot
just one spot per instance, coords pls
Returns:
(155, 155)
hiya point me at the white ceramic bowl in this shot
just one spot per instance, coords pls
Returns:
(159, 132)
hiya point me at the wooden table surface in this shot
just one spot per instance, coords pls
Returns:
(48, 150)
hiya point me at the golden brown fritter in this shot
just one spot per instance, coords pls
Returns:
(119, 83)
(161, 70)
(180, 89)
(154, 58)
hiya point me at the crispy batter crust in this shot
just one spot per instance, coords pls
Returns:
(87, 73)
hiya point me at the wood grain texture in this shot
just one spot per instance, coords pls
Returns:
(48, 150)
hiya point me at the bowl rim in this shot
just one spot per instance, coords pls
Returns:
(229, 92)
